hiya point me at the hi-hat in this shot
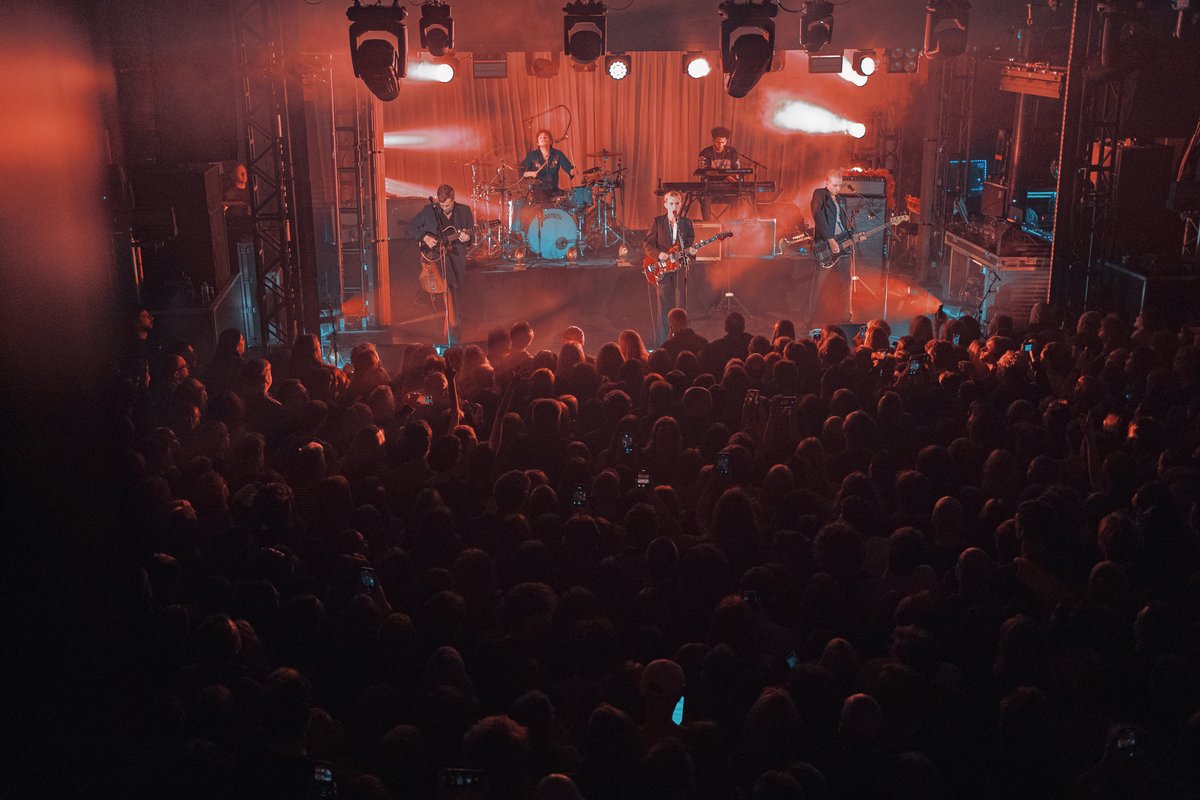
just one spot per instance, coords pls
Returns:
(603, 153)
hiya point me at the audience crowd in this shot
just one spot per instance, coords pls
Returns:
(956, 563)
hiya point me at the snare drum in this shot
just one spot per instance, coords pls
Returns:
(551, 231)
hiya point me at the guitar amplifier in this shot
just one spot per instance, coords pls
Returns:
(866, 213)
(865, 186)
(706, 230)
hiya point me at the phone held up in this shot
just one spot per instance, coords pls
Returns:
(579, 496)
(627, 443)
(367, 580)
(643, 479)
(323, 785)
(462, 784)
(721, 464)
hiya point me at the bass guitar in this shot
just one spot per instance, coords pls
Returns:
(655, 269)
(827, 259)
(450, 234)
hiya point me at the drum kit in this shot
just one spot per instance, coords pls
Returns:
(567, 225)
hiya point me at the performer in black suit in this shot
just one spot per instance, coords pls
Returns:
(830, 217)
(719, 155)
(542, 165)
(430, 224)
(668, 230)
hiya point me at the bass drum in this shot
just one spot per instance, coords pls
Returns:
(552, 232)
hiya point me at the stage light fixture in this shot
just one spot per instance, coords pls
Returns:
(618, 66)
(825, 65)
(542, 65)
(946, 28)
(865, 62)
(903, 59)
(696, 65)
(585, 27)
(747, 43)
(378, 62)
(816, 25)
(437, 28)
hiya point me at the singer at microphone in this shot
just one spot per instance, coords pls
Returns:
(542, 165)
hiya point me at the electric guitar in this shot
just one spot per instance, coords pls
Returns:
(655, 269)
(828, 259)
(450, 234)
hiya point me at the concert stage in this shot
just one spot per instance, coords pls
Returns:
(604, 298)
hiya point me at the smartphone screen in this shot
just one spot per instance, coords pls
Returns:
(793, 660)
(627, 443)
(366, 579)
(643, 479)
(677, 714)
(722, 463)
(914, 366)
(579, 496)
(324, 788)
(957, 339)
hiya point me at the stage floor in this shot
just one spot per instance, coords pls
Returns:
(604, 296)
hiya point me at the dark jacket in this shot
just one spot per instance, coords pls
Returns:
(658, 238)
(824, 211)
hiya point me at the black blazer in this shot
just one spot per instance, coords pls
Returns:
(658, 238)
(824, 211)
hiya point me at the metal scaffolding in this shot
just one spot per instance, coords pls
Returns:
(1094, 106)
(265, 116)
(945, 157)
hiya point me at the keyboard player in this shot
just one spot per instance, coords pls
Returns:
(718, 156)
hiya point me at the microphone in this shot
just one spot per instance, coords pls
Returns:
(432, 202)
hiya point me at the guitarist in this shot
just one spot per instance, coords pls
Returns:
(430, 225)
(669, 230)
(831, 220)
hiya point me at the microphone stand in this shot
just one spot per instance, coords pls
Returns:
(754, 175)
(439, 218)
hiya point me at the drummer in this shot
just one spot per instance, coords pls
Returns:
(542, 165)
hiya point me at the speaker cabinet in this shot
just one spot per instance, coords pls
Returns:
(866, 213)
(1140, 221)
(706, 230)
(199, 253)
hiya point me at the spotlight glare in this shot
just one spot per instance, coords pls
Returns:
(848, 73)
(431, 72)
(617, 66)
(797, 115)
(865, 62)
(697, 66)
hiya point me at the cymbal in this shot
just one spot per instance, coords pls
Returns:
(475, 162)
(603, 153)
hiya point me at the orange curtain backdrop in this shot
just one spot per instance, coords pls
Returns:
(658, 117)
